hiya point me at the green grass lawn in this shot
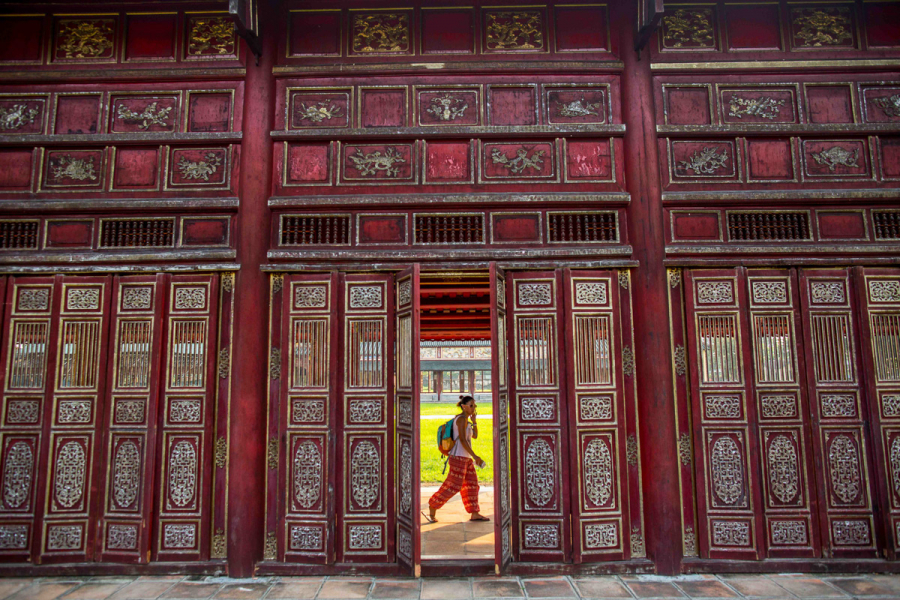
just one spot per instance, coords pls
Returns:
(447, 408)
(432, 460)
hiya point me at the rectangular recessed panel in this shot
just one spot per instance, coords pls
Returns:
(134, 354)
(366, 354)
(188, 352)
(831, 344)
(535, 344)
(719, 360)
(18, 234)
(29, 355)
(593, 359)
(773, 347)
(315, 230)
(582, 227)
(79, 354)
(768, 226)
(309, 353)
(134, 233)
(886, 346)
(887, 225)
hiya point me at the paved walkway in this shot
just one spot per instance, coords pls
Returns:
(454, 536)
(757, 587)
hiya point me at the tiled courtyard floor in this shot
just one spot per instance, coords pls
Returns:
(757, 587)
(454, 536)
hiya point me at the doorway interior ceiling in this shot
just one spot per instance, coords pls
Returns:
(455, 306)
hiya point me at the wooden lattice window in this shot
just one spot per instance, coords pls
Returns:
(773, 346)
(137, 233)
(16, 235)
(315, 230)
(310, 353)
(887, 224)
(768, 226)
(719, 358)
(449, 229)
(567, 227)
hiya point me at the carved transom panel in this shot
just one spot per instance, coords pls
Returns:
(190, 298)
(715, 292)
(769, 292)
(136, 298)
(33, 299)
(534, 294)
(83, 299)
(827, 292)
(890, 405)
(22, 412)
(884, 291)
(310, 296)
(365, 410)
(838, 405)
(591, 293)
(366, 296)
(304, 410)
(596, 408)
(779, 406)
(722, 406)
(129, 411)
(538, 409)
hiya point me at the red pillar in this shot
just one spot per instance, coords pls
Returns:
(247, 468)
(654, 362)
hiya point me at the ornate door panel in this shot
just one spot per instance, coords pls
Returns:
(839, 440)
(500, 402)
(539, 451)
(186, 419)
(303, 409)
(409, 547)
(366, 503)
(728, 495)
(129, 446)
(604, 475)
(780, 404)
(878, 291)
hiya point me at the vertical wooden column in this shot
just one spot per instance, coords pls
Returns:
(645, 229)
(247, 451)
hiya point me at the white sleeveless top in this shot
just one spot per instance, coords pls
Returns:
(458, 449)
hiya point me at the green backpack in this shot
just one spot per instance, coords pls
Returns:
(445, 439)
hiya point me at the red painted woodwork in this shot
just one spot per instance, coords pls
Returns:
(500, 402)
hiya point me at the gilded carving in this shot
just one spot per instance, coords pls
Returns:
(684, 449)
(688, 28)
(631, 450)
(538, 409)
(64, 537)
(602, 535)
(126, 474)
(183, 474)
(74, 411)
(121, 537)
(884, 291)
(309, 296)
(151, 115)
(381, 33)
(307, 411)
(365, 474)
(722, 406)
(520, 162)
(221, 452)
(764, 107)
(404, 411)
(85, 39)
(838, 405)
(827, 292)
(540, 472)
(70, 474)
(715, 292)
(895, 465)
(129, 411)
(817, 27)
(275, 363)
(674, 277)
(22, 412)
(136, 298)
(706, 161)
(307, 475)
(224, 363)
(306, 538)
(595, 408)
(18, 473)
(190, 298)
(851, 533)
(364, 410)
(404, 543)
(270, 551)
(17, 116)
(597, 469)
(405, 478)
(789, 533)
(504, 478)
(578, 108)
(679, 358)
(731, 533)
(365, 537)
(784, 468)
(200, 169)
(507, 30)
(447, 108)
(837, 156)
(211, 36)
(889, 105)
(404, 292)
(187, 410)
(890, 405)
(779, 407)
(228, 282)
(624, 278)
(534, 294)
(219, 544)
(33, 299)
(541, 536)
(318, 112)
(844, 469)
(272, 454)
(277, 282)
(372, 163)
(366, 296)
(627, 361)
(67, 167)
(637, 544)
(727, 470)
(590, 293)
(769, 292)
(180, 536)
(689, 541)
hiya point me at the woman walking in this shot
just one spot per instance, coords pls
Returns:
(462, 477)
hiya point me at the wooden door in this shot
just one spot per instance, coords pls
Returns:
(604, 475)
(500, 403)
(539, 450)
(302, 415)
(407, 336)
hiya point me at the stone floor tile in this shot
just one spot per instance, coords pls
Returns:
(706, 588)
(160, 578)
(243, 591)
(807, 587)
(549, 588)
(189, 589)
(445, 589)
(860, 587)
(296, 588)
(145, 588)
(497, 588)
(94, 591)
(345, 588)
(45, 590)
(396, 589)
(653, 589)
(10, 586)
(757, 587)
(601, 587)
(891, 582)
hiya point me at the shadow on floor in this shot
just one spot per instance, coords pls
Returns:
(454, 536)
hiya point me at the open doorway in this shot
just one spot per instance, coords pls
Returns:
(455, 359)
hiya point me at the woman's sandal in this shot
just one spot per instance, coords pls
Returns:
(480, 518)
(429, 518)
